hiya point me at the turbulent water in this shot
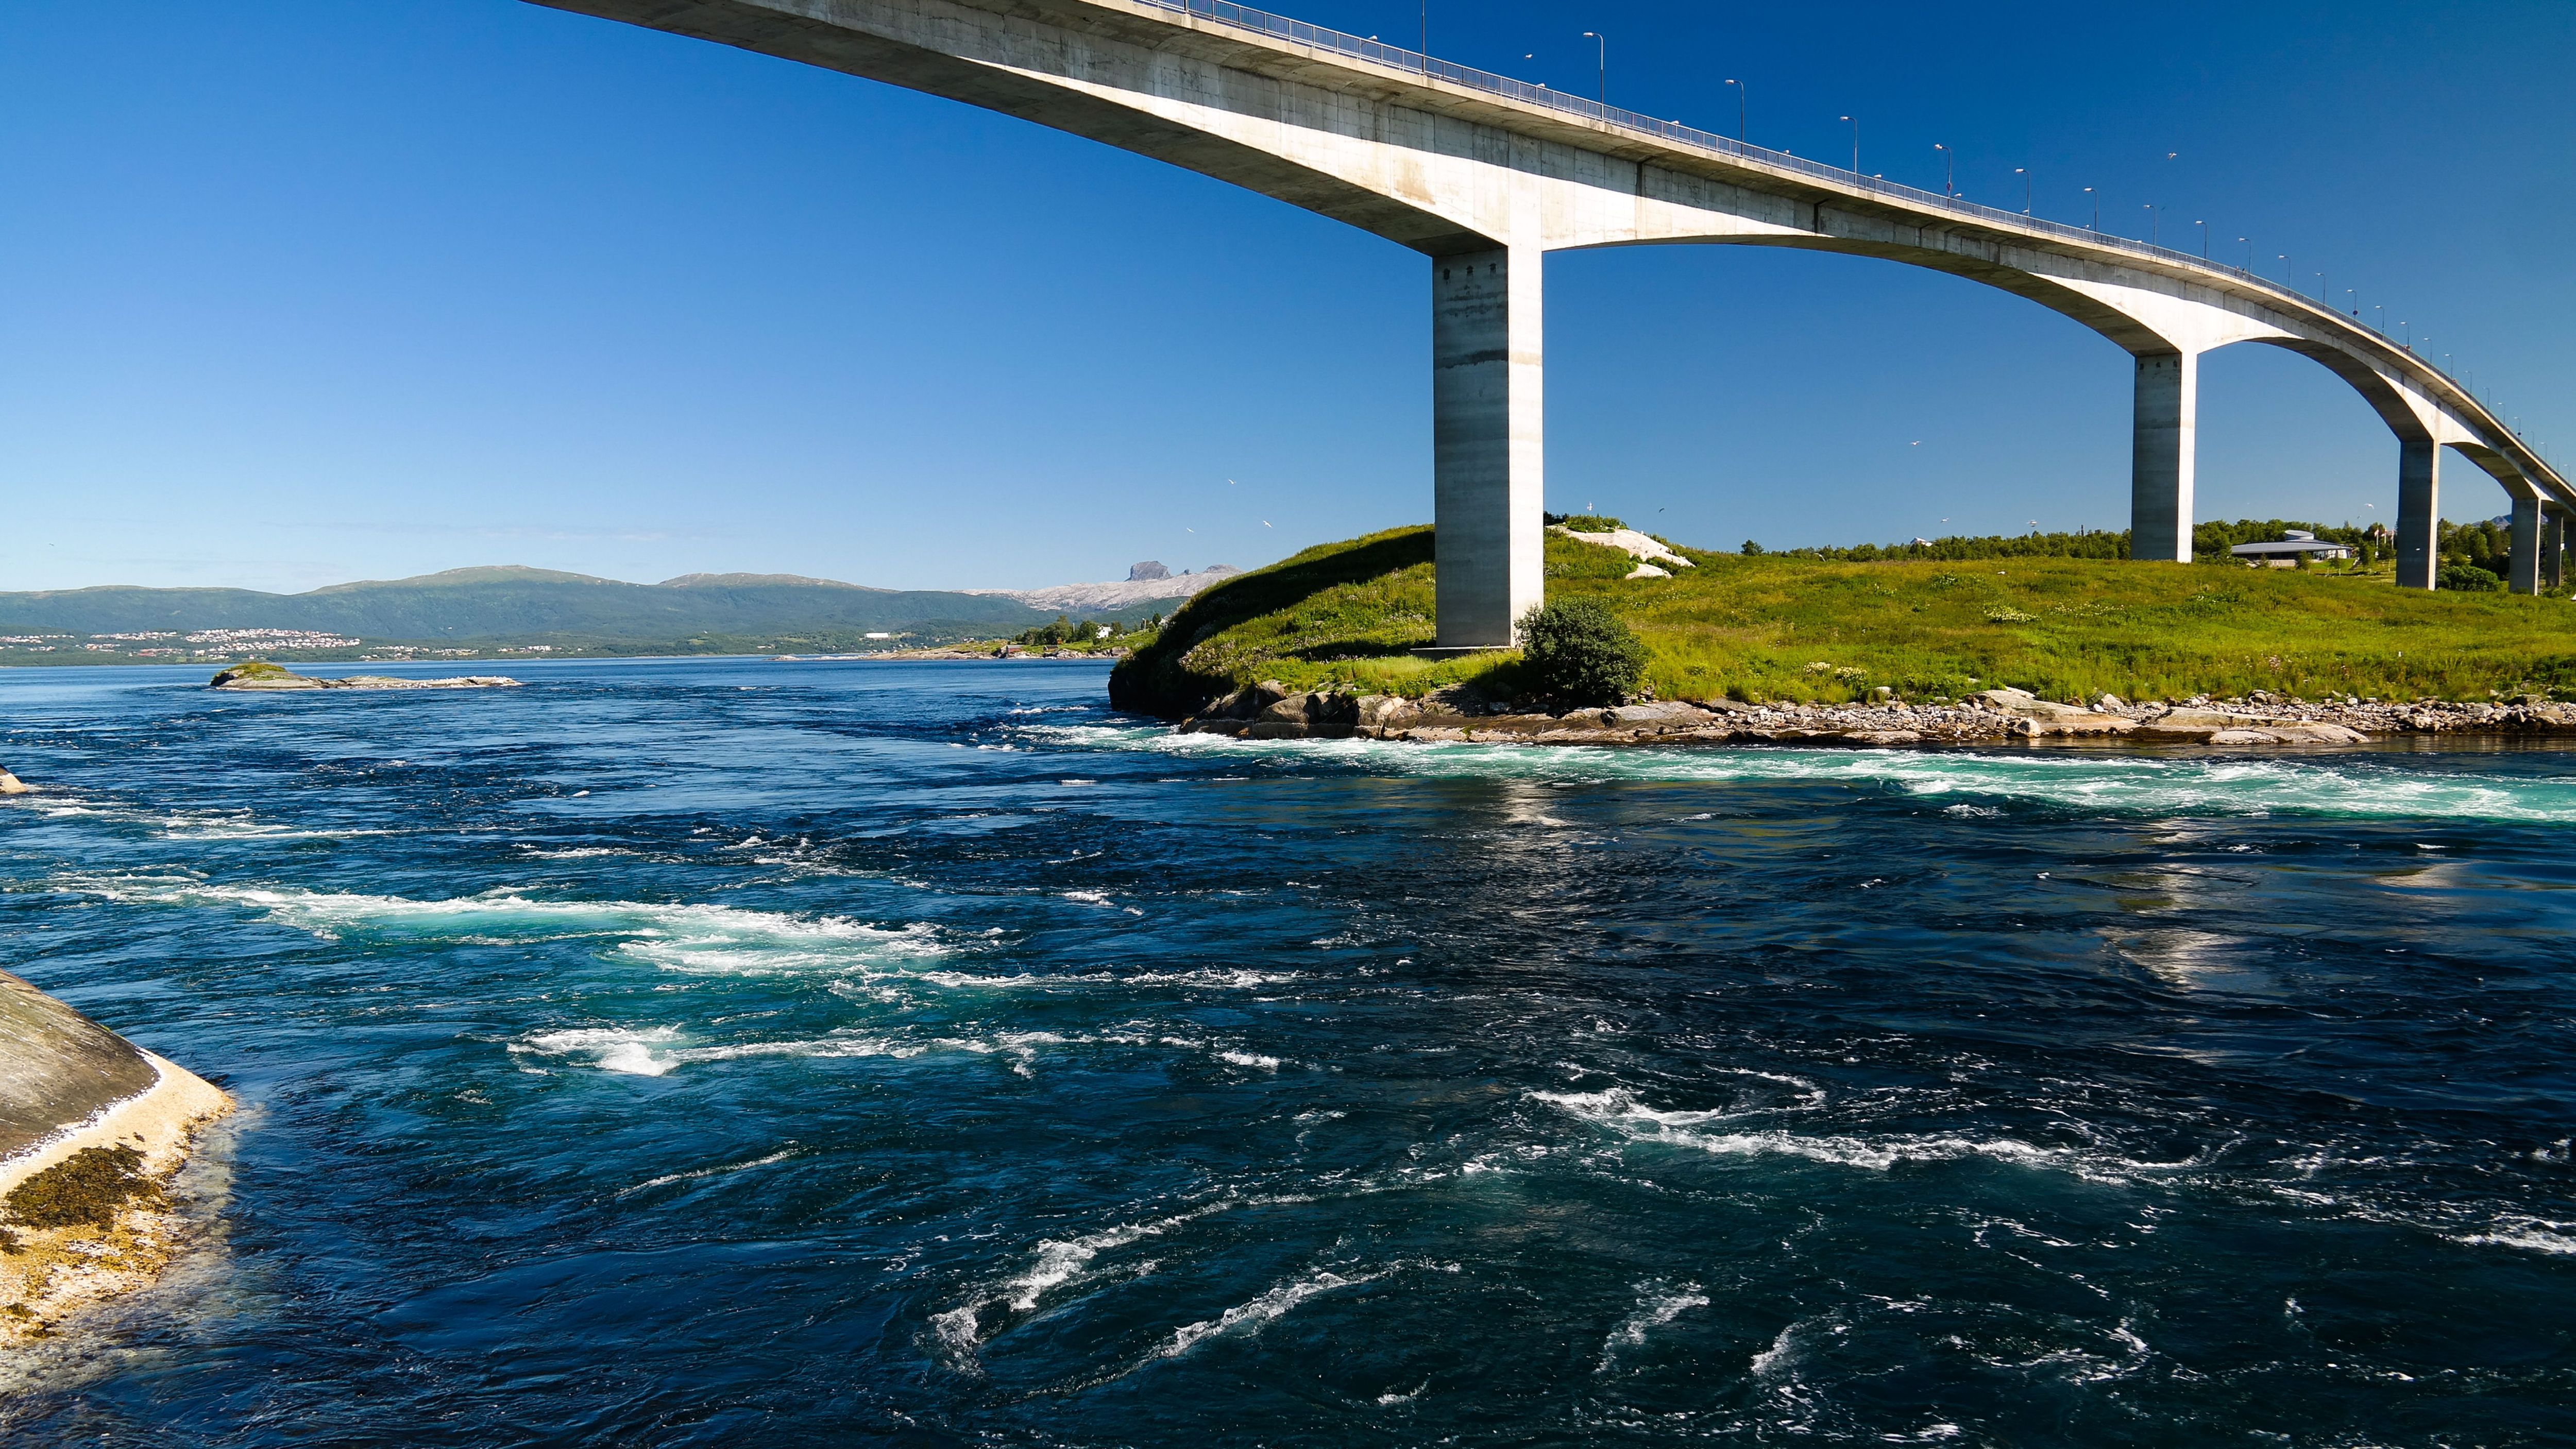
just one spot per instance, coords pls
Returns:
(739, 1052)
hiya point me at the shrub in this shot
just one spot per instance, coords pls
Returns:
(1586, 522)
(2470, 579)
(1578, 652)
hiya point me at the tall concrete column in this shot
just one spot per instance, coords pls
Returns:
(2522, 573)
(2553, 547)
(1487, 427)
(2419, 512)
(2160, 457)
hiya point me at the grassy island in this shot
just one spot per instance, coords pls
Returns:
(1825, 629)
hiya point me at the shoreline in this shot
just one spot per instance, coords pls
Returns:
(48, 1275)
(2008, 717)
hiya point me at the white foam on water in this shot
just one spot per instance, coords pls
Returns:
(1237, 980)
(2358, 785)
(1660, 1305)
(1618, 1110)
(611, 1048)
(187, 825)
(2532, 1235)
(682, 937)
(1250, 1318)
(655, 1051)
(725, 1170)
(958, 1332)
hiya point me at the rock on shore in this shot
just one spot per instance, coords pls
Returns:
(260, 674)
(1269, 711)
(92, 1128)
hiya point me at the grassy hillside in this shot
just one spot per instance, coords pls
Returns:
(1821, 630)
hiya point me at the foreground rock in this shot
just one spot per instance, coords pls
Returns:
(92, 1128)
(259, 674)
(1271, 711)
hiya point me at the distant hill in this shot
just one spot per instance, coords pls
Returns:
(488, 608)
(1146, 583)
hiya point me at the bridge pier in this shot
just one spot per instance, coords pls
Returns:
(2161, 456)
(2522, 571)
(1488, 453)
(2419, 512)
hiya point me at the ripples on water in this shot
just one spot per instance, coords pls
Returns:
(726, 1052)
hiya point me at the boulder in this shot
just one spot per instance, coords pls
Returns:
(2036, 718)
(1672, 713)
(1386, 711)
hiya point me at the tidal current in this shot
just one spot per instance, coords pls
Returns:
(730, 1052)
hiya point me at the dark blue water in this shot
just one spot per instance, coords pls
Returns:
(735, 1052)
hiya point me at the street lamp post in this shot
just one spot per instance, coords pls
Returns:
(1855, 125)
(1604, 40)
(2024, 173)
(1739, 111)
(2097, 207)
(2204, 239)
(2155, 213)
(1949, 169)
(2249, 252)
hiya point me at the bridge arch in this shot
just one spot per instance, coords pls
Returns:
(1484, 175)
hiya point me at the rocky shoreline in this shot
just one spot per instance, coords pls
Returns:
(1269, 711)
(92, 1130)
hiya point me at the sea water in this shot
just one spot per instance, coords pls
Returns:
(724, 1052)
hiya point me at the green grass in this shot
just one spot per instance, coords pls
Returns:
(1818, 631)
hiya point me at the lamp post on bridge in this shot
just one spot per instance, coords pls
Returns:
(1739, 112)
(2204, 239)
(1604, 41)
(2155, 214)
(2024, 173)
(2097, 207)
(1949, 170)
(1855, 125)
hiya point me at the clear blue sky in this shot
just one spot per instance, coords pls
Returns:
(298, 291)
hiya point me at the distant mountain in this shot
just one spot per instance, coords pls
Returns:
(491, 606)
(1146, 583)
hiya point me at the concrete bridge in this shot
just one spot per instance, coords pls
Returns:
(1485, 175)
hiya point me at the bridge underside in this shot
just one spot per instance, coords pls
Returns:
(1484, 185)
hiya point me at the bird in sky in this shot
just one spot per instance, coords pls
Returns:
(1265, 523)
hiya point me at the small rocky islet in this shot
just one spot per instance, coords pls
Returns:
(259, 674)
(1270, 711)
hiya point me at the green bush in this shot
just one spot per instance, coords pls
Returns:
(1585, 522)
(1578, 652)
(2470, 579)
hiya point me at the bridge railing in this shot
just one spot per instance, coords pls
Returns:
(1280, 27)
